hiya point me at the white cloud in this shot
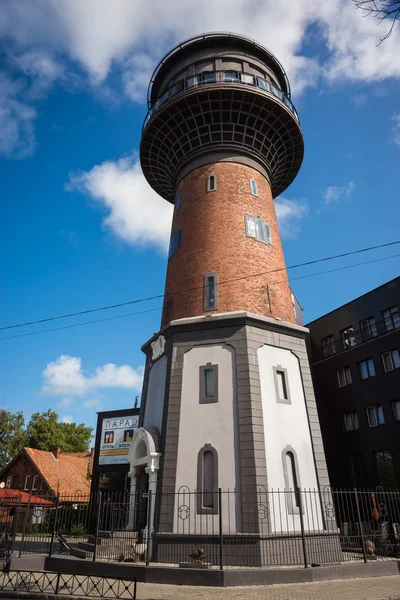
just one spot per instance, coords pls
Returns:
(91, 403)
(334, 194)
(136, 76)
(65, 377)
(135, 213)
(16, 120)
(128, 38)
(290, 213)
(67, 419)
(396, 129)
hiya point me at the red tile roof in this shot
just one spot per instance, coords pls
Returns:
(10, 496)
(67, 474)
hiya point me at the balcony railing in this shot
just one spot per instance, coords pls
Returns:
(222, 77)
(351, 338)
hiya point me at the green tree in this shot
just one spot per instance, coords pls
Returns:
(44, 431)
(12, 435)
(76, 437)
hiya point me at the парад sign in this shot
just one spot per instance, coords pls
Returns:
(116, 437)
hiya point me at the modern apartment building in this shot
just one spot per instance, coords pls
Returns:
(355, 363)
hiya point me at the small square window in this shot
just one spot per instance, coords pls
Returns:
(367, 368)
(208, 384)
(368, 329)
(392, 318)
(391, 360)
(9, 481)
(375, 415)
(351, 421)
(328, 346)
(258, 229)
(396, 409)
(348, 338)
(344, 377)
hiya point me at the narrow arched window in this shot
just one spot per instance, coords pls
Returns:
(292, 480)
(211, 183)
(253, 187)
(207, 480)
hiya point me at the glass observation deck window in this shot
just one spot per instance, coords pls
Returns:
(231, 77)
(263, 84)
(249, 79)
(211, 77)
(177, 87)
(207, 77)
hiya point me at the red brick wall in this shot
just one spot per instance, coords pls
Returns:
(214, 240)
(19, 471)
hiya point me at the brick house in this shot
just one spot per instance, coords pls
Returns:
(45, 473)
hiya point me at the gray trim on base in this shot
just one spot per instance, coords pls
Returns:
(225, 578)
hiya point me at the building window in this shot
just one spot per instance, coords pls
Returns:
(396, 409)
(211, 183)
(392, 318)
(348, 339)
(9, 481)
(258, 229)
(375, 415)
(351, 421)
(178, 201)
(292, 480)
(357, 470)
(253, 187)
(34, 482)
(27, 482)
(328, 346)
(208, 384)
(207, 480)
(344, 377)
(231, 77)
(368, 329)
(175, 242)
(210, 291)
(391, 360)
(384, 467)
(367, 368)
(281, 385)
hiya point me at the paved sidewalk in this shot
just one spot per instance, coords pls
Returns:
(371, 588)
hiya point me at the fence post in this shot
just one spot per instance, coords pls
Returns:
(54, 525)
(58, 581)
(360, 524)
(96, 533)
(25, 525)
(221, 541)
(303, 535)
(149, 532)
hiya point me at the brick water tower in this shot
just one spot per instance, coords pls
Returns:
(227, 398)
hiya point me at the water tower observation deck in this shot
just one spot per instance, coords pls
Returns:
(220, 97)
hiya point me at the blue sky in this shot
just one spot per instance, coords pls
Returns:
(82, 229)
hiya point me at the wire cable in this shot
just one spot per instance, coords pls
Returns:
(158, 296)
(160, 307)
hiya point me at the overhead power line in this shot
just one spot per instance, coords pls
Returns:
(158, 296)
(160, 307)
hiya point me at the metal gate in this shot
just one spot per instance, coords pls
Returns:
(10, 505)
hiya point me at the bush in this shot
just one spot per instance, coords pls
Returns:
(78, 529)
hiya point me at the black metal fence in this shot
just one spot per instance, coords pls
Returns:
(62, 584)
(256, 528)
